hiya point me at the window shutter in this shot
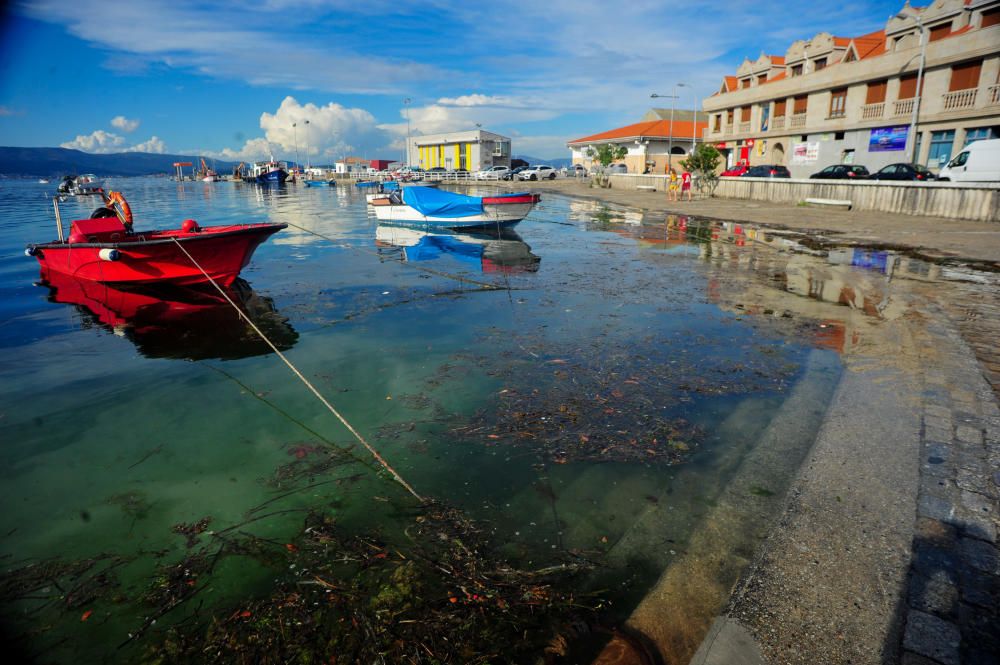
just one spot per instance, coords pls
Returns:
(876, 92)
(745, 114)
(801, 103)
(965, 76)
(779, 108)
(908, 86)
(940, 32)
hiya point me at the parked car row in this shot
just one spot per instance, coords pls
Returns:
(901, 171)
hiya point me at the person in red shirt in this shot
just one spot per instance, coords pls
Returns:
(686, 184)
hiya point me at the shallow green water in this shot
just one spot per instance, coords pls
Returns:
(609, 328)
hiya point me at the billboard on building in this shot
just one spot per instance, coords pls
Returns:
(884, 139)
(803, 153)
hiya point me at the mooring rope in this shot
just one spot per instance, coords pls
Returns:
(310, 386)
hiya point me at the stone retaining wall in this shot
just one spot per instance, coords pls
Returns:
(950, 200)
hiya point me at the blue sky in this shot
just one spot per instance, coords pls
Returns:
(228, 80)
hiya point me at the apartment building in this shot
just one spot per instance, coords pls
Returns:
(851, 100)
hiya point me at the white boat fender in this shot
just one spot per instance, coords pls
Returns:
(31, 251)
(108, 254)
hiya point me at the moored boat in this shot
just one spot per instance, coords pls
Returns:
(268, 172)
(320, 183)
(105, 248)
(426, 206)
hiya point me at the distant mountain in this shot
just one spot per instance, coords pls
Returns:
(54, 162)
(557, 163)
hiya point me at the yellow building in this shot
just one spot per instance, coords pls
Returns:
(473, 150)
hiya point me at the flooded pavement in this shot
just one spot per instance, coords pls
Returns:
(611, 411)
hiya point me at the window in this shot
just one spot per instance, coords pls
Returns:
(801, 103)
(818, 64)
(838, 103)
(838, 136)
(991, 17)
(962, 158)
(745, 83)
(965, 76)
(876, 92)
(762, 79)
(729, 117)
(744, 114)
(779, 108)
(979, 134)
(940, 32)
(718, 122)
(847, 157)
(797, 70)
(940, 148)
(916, 148)
(908, 86)
(850, 57)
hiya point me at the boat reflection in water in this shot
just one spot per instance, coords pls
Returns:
(491, 250)
(170, 321)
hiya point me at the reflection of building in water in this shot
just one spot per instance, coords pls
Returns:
(489, 251)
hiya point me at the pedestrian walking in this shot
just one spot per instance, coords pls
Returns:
(686, 184)
(672, 186)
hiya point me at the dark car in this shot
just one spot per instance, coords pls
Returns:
(437, 169)
(512, 174)
(841, 172)
(903, 172)
(767, 171)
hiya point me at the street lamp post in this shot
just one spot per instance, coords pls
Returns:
(670, 136)
(307, 146)
(295, 138)
(919, 92)
(406, 110)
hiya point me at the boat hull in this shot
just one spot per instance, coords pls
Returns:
(154, 257)
(497, 212)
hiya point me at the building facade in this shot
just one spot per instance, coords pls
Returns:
(851, 100)
(473, 150)
(652, 144)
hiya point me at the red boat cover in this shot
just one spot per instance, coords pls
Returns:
(96, 230)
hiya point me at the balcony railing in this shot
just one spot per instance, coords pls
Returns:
(903, 106)
(872, 111)
(960, 99)
(993, 94)
(778, 123)
(798, 120)
(744, 127)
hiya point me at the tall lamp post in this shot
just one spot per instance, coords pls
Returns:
(406, 111)
(307, 146)
(670, 140)
(918, 93)
(295, 138)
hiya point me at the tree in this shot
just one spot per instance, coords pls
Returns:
(703, 163)
(605, 154)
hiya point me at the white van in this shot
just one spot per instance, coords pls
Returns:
(978, 162)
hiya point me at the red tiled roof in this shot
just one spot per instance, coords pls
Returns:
(776, 77)
(870, 45)
(777, 59)
(841, 41)
(730, 83)
(652, 129)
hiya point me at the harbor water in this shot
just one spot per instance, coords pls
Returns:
(594, 390)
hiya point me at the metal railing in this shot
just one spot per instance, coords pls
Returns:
(873, 111)
(993, 94)
(960, 99)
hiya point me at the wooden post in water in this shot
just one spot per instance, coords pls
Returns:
(59, 228)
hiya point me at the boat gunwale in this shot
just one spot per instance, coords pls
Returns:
(246, 229)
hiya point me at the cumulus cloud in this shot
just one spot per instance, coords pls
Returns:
(154, 144)
(478, 100)
(99, 141)
(124, 124)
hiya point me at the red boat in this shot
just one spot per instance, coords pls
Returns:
(106, 249)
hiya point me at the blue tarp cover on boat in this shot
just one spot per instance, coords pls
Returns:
(439, 203)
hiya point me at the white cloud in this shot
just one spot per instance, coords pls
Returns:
(154, 145)
(99, 141)
(477, 100)
(124, 124)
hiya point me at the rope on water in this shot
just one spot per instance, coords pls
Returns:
(350, 428)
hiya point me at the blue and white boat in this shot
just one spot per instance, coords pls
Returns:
(320, 183)
(434, 208)
(269, 172)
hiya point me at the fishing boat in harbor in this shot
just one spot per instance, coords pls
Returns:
(105, 248)
(80, 185)
(426, 206)
(268, 172)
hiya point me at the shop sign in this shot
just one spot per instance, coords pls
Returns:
(884, 139)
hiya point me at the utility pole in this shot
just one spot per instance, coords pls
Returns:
(406, 111)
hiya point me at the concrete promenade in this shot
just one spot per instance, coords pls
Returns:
(886, 549)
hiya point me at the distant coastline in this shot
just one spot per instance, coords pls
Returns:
(55, 162)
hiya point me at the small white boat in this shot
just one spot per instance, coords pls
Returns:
(428, 207)
(43, 181)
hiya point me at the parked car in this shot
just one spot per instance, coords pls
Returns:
(903, 172)
(616, 168)
(515, 172)
(437, 170)
(575, 170)
(492, 173)
(735, 171)
(841, 172)
(767, 171)
(978, 162)
(538, 173)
